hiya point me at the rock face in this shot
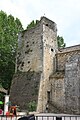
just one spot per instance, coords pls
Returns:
(44, 74)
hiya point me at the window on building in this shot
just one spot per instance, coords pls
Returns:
(48, 96)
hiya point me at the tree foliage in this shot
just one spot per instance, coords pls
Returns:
(9, 28)
(60, 42)
(32, 106)
(32, 24)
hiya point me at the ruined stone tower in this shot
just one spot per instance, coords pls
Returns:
(34, 64)
(45, 74)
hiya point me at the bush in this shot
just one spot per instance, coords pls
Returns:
(32, 106)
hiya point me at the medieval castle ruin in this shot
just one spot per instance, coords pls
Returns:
(44, 73)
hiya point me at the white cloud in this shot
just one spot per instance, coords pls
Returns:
(66, 13)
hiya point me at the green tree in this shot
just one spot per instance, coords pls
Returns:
(60, 42)
(32, 24)
(32, 106)
(9, 29)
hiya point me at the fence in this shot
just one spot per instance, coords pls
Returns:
(4, 117)
(57, 117)
(45, 117)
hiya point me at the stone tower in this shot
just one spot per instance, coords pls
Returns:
(34, 64)
(49, 39)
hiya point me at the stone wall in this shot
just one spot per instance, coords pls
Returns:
(49, 50)
(64, 54)
(57, 92)
(26, 81)
(29, 54)
(65, 82)
(43, 70)
(72, 84)
(36, 49)
(25, 88)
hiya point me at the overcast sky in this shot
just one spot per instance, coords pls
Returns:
(66, 14)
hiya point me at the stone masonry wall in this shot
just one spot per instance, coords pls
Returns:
(63, 55)
(42, 68)
(29, 55)
(24, 89)
(72, 85)
(35, 53)
(65, 82)
(57, 96)
(49, 50)
(26, 81)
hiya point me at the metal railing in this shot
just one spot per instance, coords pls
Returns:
(43, 117)
(56, 117)
(4, 117)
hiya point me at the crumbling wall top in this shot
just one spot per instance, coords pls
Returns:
(70, 49)
(49, 23)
